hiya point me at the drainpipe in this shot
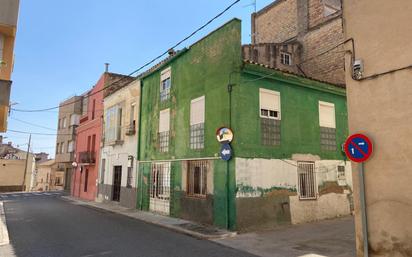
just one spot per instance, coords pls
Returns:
(138, 145)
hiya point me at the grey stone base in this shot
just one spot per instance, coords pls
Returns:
(128, 196)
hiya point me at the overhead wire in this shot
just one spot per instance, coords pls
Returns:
(141, 67)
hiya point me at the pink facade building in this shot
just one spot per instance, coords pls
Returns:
(89, 135)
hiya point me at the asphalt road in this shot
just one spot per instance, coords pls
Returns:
(47, 226)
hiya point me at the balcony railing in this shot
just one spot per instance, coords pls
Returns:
(131, 129)
(87, 157)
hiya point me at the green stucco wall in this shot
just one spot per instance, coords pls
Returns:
(203, 69)
(300, 130)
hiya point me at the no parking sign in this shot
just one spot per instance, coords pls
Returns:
(358, 148)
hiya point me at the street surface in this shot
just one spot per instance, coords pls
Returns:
(45, 225)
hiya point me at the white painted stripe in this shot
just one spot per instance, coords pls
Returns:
(15, 195)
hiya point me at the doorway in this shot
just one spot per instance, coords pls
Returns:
(117, 181)
(160, 188)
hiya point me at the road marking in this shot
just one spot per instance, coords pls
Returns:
(15, 195)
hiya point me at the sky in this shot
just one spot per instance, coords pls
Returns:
(61, 47)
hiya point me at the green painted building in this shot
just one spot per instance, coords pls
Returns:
(286, 155)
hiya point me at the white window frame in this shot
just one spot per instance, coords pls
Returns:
(322, 108)
(265, 106)
(70, 146)
(283, 59)
(197, 116)
(164, 75)
(64, 121)
(164, 120)
(132, 113)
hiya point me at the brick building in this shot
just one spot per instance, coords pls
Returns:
(296, 35)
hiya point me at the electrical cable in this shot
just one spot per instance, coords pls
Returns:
(32, 124)
(140, 68)
(35, 133)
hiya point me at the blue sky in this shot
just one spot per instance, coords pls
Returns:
(61, 48)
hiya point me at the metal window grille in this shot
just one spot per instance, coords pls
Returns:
(270, 131)
(197, 178)
(163, 138)
(327, 139)
(341, 172)
(197, 136)
(160, 181)
(307, 186)
(165, 89)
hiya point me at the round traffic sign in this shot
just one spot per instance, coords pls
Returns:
(358, 148)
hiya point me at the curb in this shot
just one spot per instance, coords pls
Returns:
(4, 234)
(166, 226)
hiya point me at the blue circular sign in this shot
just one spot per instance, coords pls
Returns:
(226, 152)
(358, 148)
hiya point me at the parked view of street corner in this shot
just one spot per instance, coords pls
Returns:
(247, 128)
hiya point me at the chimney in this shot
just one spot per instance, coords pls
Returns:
(171, 52)
(106, 67)
(303, 17)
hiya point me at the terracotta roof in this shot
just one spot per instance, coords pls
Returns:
(293, 73)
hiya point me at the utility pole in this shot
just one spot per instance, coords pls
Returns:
(27, 161)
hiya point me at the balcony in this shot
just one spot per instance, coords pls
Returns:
(131, 129)
(87, 157)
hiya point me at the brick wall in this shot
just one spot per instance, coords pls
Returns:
(276, 23)
(330, 66)
(305, 21)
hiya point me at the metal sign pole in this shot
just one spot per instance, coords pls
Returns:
(363, 209)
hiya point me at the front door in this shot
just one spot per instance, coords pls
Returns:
(160, 188)
(117, 182)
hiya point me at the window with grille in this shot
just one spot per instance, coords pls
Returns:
(197, 178)
(160, 181)
(327, 125)
(307, 185)
(164, 128)
(165, 84)
(285, 58)
(270, 118)
(197, 123)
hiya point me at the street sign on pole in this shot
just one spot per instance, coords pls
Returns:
(358, 148)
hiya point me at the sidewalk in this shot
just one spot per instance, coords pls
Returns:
(178, 225)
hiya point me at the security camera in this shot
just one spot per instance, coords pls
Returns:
(357, 69)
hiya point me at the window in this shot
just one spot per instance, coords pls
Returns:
(113, 123)
(285, 58)
(85, 103)
(89, 139)
(103, 171)
(197, 178)
(269, 103)
(59, 124)
(327, 125)
(197, 123)
(165, 84)
(86, 180)
(57, 148)
(341, 175)
(64, 122)
(70, 147)
(93, 143)
(62, 147)
(129, 171)
(270, 117)
(93, 108)
(307, 186)
(164, 127)
(132, 112)
(331, 7)
(74, 119)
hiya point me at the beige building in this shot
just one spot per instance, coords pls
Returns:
(297, 36)
(12, 169)
(379, 105)
(48, 178)
(9, 10)
(118, 169)
(70, 111)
